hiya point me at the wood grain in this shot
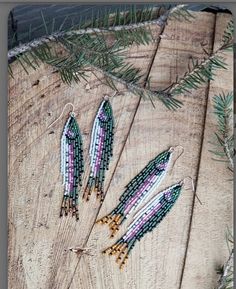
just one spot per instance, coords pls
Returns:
(210, 221)
(154, 130)
(39, 241)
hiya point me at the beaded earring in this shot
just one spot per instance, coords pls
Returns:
(72, 164)
(101, 149)
(138, 189)
(145, 221)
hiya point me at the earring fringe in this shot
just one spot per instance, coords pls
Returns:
(145, 221)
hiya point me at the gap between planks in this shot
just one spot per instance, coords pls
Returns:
(198, 165)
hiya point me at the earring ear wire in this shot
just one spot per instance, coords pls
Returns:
(59, 117)
(106, 96)
(172, 149)
(192, 187)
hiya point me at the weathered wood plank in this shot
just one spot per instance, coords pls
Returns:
(38, 239)
(156, 262)
(207, 248)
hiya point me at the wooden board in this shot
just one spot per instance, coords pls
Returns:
(39, 241)
(210, 221)
(153, 131)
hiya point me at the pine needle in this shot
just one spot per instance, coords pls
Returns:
(223, 138)
(88, 47)
(201, 72)
(226, 272)
(44, 23)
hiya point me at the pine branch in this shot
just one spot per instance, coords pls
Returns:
(201, 72)
(88, 47)
(90, 51)
(226, 279)
(39, 48)
(169, 101)
(227, 41)
(116, 69)
(77, 31)
(55, 36)
(122, 22)
(181, 13)
(74, 67)
(224, 140)
(226, 272)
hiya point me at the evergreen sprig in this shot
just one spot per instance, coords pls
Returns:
(87, 44)
(228, 36)
(200, 72)
(89, 48)
(181, 13)
(226, 272)
(118, 23)
(224, 139)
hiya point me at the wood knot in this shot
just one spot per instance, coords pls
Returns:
(80, 250)
(35, 83)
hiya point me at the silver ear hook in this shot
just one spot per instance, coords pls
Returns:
(172, 149)
(192, 187)
(106, 96)
(71, 113)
